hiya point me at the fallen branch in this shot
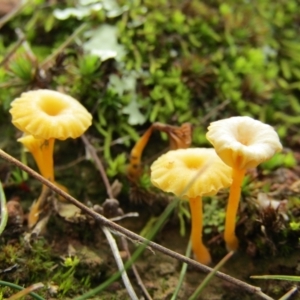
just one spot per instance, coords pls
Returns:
(101, 169)
(99, 165)
(131, 235)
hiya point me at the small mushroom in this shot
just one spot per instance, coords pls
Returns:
(242, 143)
(179, 138)
(46, 115)
(134, 169)
(192, 173)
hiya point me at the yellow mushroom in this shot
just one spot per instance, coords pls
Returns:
(179, 137)
(242, 143)
(46, 115)
(192, 173)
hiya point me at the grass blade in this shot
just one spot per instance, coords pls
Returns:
(210, 276)
(278, 277)
(182, 272)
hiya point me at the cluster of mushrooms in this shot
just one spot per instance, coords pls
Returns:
(191, 173)
(239, 143)
(43, 116)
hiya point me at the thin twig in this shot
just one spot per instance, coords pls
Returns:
(12, 51)
(128, 215)
(100, 167)
(69, 40)
(219, 107)
(26, 291)
(13, 12)
(118, 259)
(70, 164)
(109, 237)
(131, 235)
(289, 293)
(26, 45)
(20, 288)
(135, 271)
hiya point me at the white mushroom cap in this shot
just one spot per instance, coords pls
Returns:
(47, 114)
(243, 142)
(191, 172)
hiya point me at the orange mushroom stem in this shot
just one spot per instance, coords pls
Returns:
(200, 251)
(230, 238)
(42, 152)
(134, 169)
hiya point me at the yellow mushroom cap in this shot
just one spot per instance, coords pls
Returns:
(49, 114)
(175, 171)
(243, 142)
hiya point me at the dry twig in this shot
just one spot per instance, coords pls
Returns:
(101, 169)
(99, 165)
(107, 233)
(131, 235)
(118, 259)
(13, 12)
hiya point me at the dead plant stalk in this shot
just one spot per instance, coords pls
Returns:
(91, 149)
(131, 235)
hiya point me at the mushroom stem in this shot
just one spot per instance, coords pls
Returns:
(134, 168)
(200, 251)
(37, 207)
(42, 152)
(231, 240)
(44, 159)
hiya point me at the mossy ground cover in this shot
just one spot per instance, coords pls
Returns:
(132, 63)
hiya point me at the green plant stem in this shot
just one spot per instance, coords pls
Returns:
(182, 272)
(210, 276)
(278, 277)
(148, 227)
(131, 235)
(20, 288)
(4, 214)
